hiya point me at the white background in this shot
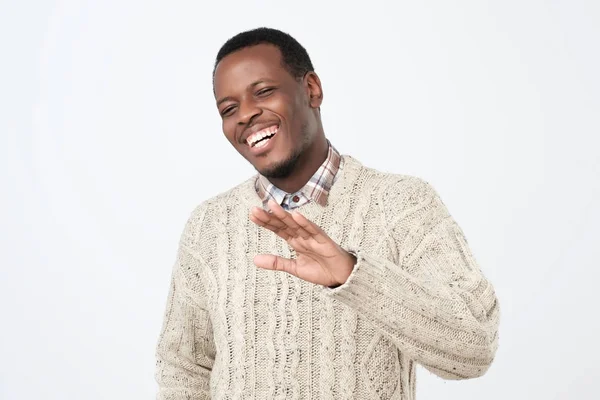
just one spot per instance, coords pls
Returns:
(110, 137)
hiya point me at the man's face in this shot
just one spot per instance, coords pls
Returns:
(267, 114)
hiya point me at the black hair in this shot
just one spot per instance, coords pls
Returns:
(294, 57)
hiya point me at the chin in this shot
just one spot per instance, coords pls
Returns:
(281, 168)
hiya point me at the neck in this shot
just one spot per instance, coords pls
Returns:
(308, 163)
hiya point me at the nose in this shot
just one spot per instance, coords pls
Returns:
(248, 110)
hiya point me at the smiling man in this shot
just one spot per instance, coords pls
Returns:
(319, 277)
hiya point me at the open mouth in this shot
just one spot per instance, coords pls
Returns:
(262, 137)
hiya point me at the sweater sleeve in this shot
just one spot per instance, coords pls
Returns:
(434, 303)
(185, 352)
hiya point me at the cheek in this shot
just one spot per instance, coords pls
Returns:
(298, 107)
(289, 108)
(228, 129)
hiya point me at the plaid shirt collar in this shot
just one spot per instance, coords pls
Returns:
(316, 189)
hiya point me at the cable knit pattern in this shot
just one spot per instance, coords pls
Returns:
(416, 295)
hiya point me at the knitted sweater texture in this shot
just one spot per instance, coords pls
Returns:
(416, 295)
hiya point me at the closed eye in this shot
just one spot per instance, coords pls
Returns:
(227, 111)
(265, 92)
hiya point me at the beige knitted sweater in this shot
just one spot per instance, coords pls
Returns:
(416, 295)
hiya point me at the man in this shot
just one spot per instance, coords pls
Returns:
(319, 277)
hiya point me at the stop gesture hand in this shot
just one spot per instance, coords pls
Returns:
(319, 259)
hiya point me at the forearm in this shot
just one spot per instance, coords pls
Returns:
(451, 328)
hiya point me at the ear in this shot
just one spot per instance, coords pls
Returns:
(315, 90)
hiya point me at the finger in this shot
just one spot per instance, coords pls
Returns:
(275, 263)
(268, 219)
(317, 233)
(286, 218)
(280, 231)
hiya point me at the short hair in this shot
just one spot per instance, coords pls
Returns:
(294, 57)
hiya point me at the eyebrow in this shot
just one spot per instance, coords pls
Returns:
(252, 85)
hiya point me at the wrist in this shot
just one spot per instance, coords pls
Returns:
(350, 262)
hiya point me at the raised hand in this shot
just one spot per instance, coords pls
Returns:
(319, 259)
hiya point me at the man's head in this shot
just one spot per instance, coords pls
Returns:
(264, 85)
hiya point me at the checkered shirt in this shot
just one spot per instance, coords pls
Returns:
(316, 189)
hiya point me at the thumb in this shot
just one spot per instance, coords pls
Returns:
(275, 263)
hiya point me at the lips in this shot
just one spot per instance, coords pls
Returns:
(257, 129)
(258, 139)
(263, 141)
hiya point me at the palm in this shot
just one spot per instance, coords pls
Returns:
(312, 260)
(319, 259)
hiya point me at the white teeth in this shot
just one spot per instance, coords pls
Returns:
(263, 143)
(252, 139)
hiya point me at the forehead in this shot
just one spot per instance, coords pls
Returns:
(240, 69)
